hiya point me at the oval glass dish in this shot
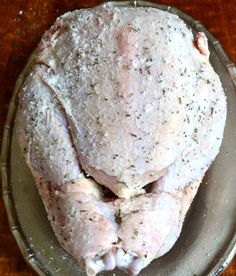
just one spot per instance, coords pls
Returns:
(207, 242)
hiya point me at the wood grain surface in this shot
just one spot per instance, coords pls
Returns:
(22, 23)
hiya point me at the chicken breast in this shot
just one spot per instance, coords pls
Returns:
(128, 97)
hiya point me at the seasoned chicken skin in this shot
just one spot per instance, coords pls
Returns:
(127, 96)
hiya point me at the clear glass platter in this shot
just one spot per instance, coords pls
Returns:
(208, 240)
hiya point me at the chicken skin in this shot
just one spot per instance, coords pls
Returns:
(126, 99)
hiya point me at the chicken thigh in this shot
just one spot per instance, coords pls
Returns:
(122, 98)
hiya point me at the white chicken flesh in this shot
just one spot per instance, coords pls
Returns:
(128, 97)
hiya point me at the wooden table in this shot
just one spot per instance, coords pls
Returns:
(22, 23)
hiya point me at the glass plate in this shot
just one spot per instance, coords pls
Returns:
(207, 242)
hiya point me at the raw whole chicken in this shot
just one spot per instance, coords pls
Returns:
(119, 119)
